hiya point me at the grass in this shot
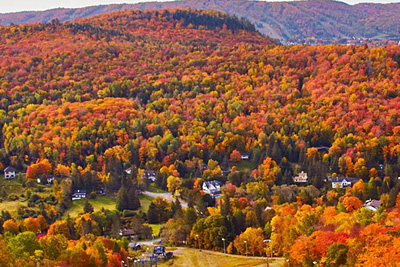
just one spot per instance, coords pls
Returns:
(12, 206)
(156, 228)
(191, 257)
(245, 165)
(155, 189)
(97, 203)
(145, 202)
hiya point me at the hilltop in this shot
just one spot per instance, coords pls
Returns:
(317, 21)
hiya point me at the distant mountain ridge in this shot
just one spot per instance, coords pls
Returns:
(317, 21)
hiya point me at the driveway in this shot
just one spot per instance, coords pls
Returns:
(167, 196)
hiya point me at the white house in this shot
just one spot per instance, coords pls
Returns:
(342, 182)
(46, 179)
(301, 178)
(79, 194)
(9, 173)
(128, 171)
(372, 204)
(212, 187)
(244, 156)
(149, 174)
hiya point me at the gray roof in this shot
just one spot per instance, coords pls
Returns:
(9, 169)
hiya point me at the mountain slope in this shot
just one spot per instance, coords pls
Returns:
(207, 80)
(319, 21)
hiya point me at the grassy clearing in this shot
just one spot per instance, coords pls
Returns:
(145, 202)
(98, 203)
(156, 228)
(245, 165)
(155, 189)
(191, 257)
(12, 206)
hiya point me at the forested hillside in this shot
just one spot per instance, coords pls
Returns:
(196, 96)
(313, 22)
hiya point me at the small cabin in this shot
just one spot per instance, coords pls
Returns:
(79, 194)
(9, 173)
(301, 178)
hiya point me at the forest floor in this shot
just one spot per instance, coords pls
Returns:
(204, 258)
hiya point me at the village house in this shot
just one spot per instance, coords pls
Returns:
(245, 156)
(9, 173)
(128, 171)
(212, 187)
(79, 194)
(150, 174)
(128, 233)
(342, 182)
(46, 179)
(301, 178)
(372, 204)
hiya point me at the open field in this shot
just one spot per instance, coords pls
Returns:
(245, 165)
(196, 258)
(156, 228)
(145, 202)
(12, 206)
(98, 203)
(155, 189)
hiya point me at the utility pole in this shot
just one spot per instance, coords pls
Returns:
(266, 241)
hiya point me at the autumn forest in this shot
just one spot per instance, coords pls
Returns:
(97, 105)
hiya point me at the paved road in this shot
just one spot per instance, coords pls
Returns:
(168, 196)
(149, 242)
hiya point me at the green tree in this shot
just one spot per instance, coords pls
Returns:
(337, 255)
(88, 208)
(23, 243)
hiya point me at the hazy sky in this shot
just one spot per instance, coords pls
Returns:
(21, 5)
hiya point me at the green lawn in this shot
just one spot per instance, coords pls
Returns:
(155, 189)
(98, 203)
(245, 165)
(145, 202)
(156, 228)
(12, 206)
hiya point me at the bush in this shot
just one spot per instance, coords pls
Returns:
(93, 195)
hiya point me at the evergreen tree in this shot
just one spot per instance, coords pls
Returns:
(190, 216)
(88, 208)
(226, 208)
(133, 199)
(122, 199)
(152, 216)
(276, 153)
(176, 209)
(239, 221)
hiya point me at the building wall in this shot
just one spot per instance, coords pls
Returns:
(9, 175)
